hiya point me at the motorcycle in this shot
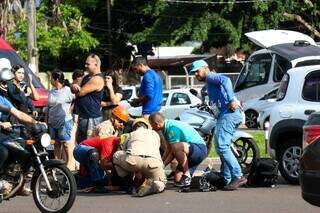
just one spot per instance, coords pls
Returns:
(203, 118)
(52, 183)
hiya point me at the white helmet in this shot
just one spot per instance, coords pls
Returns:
(6, 75)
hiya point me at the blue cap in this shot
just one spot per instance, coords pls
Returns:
(197, 65)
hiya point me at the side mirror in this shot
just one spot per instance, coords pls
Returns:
(193, 92)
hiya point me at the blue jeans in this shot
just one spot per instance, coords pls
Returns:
(80, 153)
(223, 133)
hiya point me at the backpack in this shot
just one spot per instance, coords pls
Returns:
(263, 172)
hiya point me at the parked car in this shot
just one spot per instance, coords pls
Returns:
(253, 107)
(264, 116)
(309, 162)
(298, 96)
(129, 92)
(174, 102)
(8, 53)
(264, 69)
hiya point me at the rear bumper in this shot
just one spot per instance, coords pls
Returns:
(310, 186)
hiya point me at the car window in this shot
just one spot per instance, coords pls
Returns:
(180, 99)
(311, 87)
(165, 98)
(272, 94)
(255, 73)
(127, 93)
(281, 67)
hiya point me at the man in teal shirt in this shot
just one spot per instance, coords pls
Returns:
(183, 143)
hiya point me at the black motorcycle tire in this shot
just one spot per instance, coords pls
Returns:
(249, 145)
(73, 189)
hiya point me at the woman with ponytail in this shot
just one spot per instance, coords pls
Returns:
(59, 116)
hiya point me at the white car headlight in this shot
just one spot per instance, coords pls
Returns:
(45, 140)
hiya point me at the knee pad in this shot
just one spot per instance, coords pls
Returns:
(94, 156)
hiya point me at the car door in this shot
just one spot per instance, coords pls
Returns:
(177, 102)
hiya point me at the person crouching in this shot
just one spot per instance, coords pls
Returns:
(140, 155)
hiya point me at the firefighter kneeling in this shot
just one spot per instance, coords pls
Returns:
(140, 156)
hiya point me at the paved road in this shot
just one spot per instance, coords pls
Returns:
(282, 199)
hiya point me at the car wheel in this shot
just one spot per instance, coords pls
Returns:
(289, 156)
(251, 119)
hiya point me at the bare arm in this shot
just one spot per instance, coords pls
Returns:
(94, 84)
(23, 117)
(33, 92)
(167, 156)
(106, 164)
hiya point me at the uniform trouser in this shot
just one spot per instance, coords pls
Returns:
(224, 130)
(150, 167)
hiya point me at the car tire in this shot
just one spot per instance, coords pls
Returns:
(288, 156)
(251, 118)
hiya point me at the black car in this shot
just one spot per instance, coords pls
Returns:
(310, 160)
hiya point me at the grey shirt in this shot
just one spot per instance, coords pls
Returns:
(59, 103)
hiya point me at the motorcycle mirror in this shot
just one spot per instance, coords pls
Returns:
(193, 92)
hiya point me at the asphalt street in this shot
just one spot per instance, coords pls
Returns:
(283, 198)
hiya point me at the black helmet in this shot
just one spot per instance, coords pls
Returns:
(6, 75)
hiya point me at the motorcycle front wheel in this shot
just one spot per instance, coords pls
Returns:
(63, 193)
(246, 151)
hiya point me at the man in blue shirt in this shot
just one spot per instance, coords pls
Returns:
(220, 92)
(183, 143)
(150, 97)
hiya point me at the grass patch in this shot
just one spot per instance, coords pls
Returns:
(258, 137)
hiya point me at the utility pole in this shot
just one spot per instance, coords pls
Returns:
(109, 33)
(32, 42)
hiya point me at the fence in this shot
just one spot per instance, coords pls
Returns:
(178, 81)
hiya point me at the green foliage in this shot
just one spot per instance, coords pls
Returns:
(219, 24)
(56, 36)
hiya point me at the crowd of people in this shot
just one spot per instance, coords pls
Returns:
(114, 152)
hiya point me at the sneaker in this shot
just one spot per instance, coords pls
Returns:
(185, 181)
(235, 184)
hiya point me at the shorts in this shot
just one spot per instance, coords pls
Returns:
(197, 153)
(62, 134)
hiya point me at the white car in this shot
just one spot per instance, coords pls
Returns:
(253, 107)
(298, 96)
(174, 102)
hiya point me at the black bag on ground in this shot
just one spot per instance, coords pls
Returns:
(211, 181)
(263, 173)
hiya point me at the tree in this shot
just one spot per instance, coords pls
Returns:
(61, 34)
(217, 24)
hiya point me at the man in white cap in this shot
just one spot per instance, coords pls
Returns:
(220, 92)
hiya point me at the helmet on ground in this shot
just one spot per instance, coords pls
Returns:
(140, 120)
(120, 113)
(6, 75)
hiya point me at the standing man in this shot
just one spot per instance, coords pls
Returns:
(150, 97)
(183, 143)
(220, 92)
(88, 98)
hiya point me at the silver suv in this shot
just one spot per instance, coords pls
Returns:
(298, 96)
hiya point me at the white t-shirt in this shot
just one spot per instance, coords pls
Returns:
(59, 103)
